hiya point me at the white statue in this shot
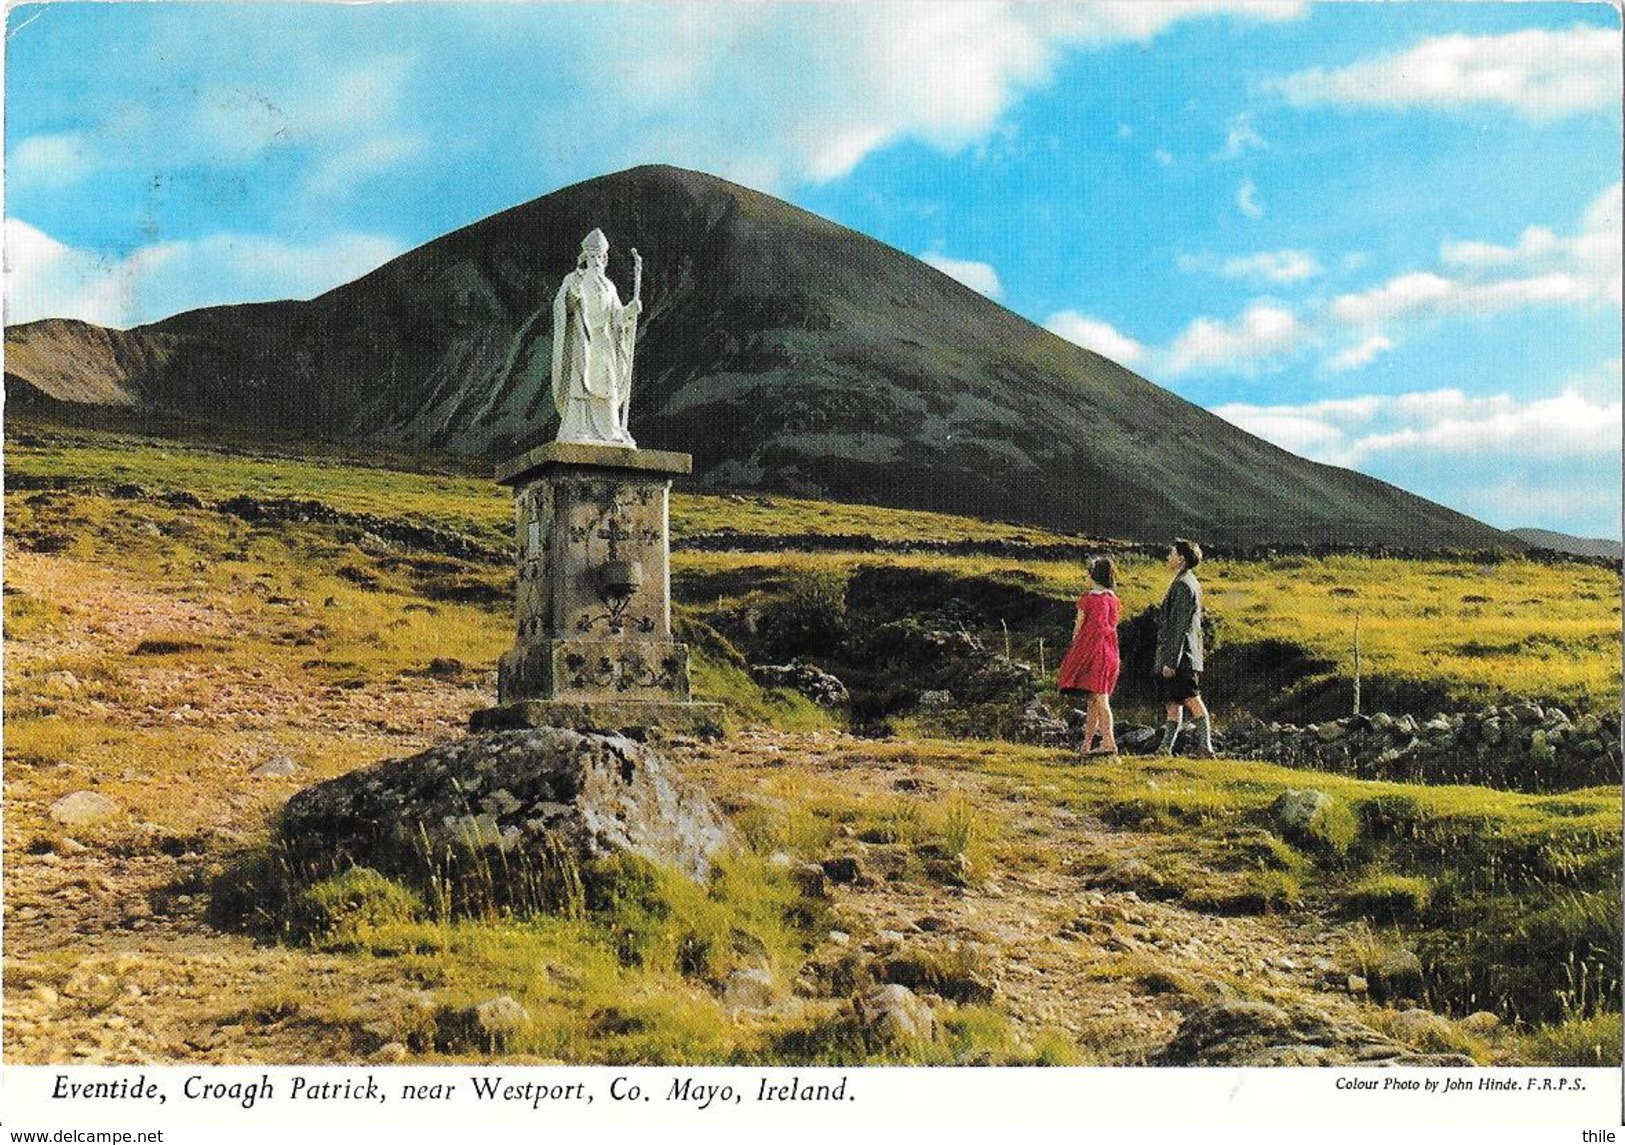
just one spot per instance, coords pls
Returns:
(593, 336)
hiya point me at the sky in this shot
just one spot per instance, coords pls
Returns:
(1381, 235)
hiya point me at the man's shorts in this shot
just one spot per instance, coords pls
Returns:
(1181, 686)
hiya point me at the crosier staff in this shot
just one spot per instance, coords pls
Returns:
(636, 306)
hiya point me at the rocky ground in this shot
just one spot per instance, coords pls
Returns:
(110, 956)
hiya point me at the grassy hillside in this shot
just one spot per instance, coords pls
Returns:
(196, 667)
(1432, 631)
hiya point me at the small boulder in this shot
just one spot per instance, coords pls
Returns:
(809, 880)
(1421, 1028)
(894, 1015)
(806, 678)
(1134, 737)
(846, 869)
(749, 989)
(61, 683)
(1396, 973)
(1480, 1023)
(277, 767)
(500, 1018)
(82, 808)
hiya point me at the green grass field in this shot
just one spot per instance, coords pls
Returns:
(159, 651)
(1471, 632)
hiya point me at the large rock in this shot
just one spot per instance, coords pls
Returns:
(809, 679)
(521, 793)
(1240, 1033)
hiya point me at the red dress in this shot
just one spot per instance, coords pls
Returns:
(1092, 662)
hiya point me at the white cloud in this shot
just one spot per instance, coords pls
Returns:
(1247, 200)
(1541, 268)
(1357, 432)
(1500, 426)
(1276, 266)
(1241, 137)
(979, 276)
(1163, 156)
(1264, 330)
(1539, 74)
(1551, 461)
(1093, 334)
(823, 94)
(52, 161)
(1600, 384)
(48, 279)
(1111, 21)
(342, 169)
(1594, 254)
(335, 120)
(1361, 354)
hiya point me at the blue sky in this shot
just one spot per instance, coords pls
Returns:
(1382, 235)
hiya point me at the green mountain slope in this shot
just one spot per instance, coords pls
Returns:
(785, 352)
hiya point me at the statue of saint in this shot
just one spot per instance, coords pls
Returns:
(593, 337)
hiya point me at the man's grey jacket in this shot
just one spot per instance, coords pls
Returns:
(1179, 625)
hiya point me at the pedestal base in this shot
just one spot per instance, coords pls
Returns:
(686, 718)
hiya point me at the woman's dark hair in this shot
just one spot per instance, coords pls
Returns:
(1189, 551)
(1103, 571)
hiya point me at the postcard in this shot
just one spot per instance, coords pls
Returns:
(812, 567)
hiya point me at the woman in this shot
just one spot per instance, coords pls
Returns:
(1091, 664)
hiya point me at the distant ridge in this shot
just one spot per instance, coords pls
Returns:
(1577, 546)
(784, 351)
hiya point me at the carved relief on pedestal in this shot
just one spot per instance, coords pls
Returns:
(623, 670)
(615, 531)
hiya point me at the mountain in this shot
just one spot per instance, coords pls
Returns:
(783, 351)
(1577, 546)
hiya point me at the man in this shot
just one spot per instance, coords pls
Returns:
(1178, 665)
(593, 335)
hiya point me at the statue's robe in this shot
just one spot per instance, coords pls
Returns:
(593, 336)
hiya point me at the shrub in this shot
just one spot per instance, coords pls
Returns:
(1390, 898)
(1591, 1041)
(352, 901)
(254, 893)
(1251, 849)
(1558, 962)
(812, 619)
(1384, 818)
(1257, 892)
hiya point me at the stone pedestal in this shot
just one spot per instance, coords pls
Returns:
(593, 648)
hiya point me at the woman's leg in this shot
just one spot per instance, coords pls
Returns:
(1091, 724)
(1108, 730)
